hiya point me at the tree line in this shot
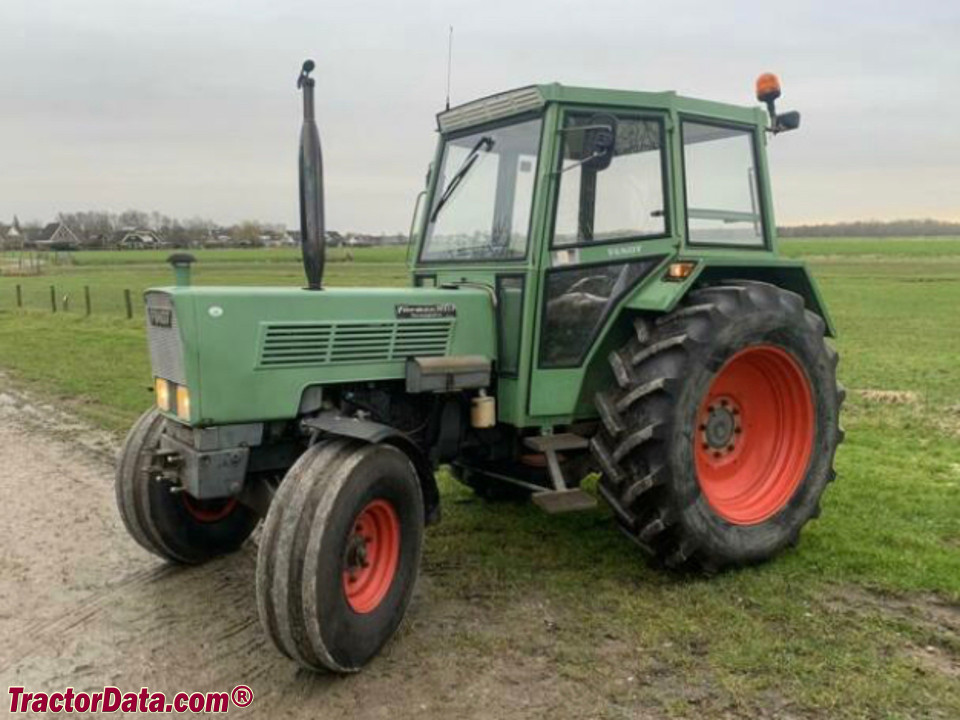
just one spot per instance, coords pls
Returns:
(104, 229)
(99, 228)
(96, 227)
(873, 228)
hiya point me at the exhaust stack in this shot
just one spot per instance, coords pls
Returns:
(311, 186)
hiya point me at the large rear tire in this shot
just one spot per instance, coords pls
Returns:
(719, 441)
(171, 524)
(340, 553)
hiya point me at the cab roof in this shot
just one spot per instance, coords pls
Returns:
(532, 98)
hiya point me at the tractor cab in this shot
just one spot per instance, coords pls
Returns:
(571, 204)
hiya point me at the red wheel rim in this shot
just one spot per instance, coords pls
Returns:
(208, 511)
(371, 556)
(754, 434)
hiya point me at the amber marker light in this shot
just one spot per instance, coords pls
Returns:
(162, 389)
(768, 87)
(679, 271)
(183, 403)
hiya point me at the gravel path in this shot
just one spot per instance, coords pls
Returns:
(82, 605)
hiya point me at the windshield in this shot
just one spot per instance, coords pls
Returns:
(483, 197)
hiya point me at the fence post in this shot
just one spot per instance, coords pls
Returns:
(53, 298)
(19, 296)
(129, 301)
(86, 298)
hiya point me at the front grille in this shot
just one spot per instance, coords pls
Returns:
(163, 338)
(312, 344)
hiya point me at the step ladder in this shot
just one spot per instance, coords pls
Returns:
(562, 498)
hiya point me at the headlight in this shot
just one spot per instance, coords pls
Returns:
(162, 389)
(183, 403)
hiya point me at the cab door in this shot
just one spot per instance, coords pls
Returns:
(485, 234)
(611, 229)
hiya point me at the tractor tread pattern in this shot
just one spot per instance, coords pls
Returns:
(635, 415)
(280, 564)
(129, 486)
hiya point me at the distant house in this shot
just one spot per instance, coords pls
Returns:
(357, 240)
(217, 239)
(54, 236)
(11, 236)
(333, 238)
(136, 239)
(278, 239)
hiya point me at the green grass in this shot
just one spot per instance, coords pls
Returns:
(838, 627)
(109, 273)
(91, 258)
(876, 247)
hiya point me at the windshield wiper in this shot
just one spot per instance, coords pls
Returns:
(485, 143)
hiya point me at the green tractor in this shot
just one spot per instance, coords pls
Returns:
(595, 290)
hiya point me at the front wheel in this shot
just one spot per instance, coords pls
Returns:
(719, 441)
(340, 553)
(164, 520)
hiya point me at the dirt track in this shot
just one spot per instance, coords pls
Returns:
(82, 605)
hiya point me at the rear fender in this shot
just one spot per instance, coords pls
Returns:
(662, 296)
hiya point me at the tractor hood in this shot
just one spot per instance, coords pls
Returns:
(247, 354)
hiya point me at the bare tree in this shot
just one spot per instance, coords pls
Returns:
(197, 231)
(247, 233)
(135, 219)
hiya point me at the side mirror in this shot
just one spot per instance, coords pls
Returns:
(788, 121)
(599, 142)
(598, 146)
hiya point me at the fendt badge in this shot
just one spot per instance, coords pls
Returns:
(160, 317)
(419, 312)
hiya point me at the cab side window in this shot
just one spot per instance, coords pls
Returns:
(577, 301)
(625, 200)
(723, 203)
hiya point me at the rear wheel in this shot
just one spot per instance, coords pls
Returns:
(166, 522)
(719, 441)
(339, 554)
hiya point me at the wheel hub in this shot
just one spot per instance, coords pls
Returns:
(356, 553)
(371, 556)
(755, 434)
(720, 426)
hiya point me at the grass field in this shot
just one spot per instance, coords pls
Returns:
(109, 273)
(862, 620)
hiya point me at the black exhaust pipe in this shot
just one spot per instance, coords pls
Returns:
(312, 235)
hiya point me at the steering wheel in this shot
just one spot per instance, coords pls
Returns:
(581, 284)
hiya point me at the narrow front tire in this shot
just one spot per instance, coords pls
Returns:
(164, 519)
(340, 553)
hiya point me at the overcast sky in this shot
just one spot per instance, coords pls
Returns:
(189, 107)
